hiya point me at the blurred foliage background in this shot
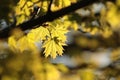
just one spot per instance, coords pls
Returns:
(92, 51)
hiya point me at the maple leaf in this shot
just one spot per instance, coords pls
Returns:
(52, 48)
(38, 34)
(59, 32)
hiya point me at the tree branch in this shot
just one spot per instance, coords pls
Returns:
(54, 15)
(48, 17)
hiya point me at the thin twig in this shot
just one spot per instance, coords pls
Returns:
(49, 7)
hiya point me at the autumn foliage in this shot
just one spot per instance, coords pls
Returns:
(88, 37)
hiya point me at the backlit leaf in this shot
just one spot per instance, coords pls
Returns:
(12, 43)
(52, 48)
(38, 34)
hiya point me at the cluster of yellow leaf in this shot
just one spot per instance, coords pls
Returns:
(30, 65)
(110, 15)
(42, 71)
(21, 44)
(113, 14)
(24, 9)
(53, 38)
(106, 32)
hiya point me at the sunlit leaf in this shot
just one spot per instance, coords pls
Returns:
(38, 34)
(59, 32)
(12, 43)
(52, 48)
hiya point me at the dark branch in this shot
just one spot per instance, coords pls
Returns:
(48, 17)
(54, 15)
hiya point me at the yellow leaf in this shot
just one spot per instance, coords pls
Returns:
(20, 19)
(59, 49)
(38, 34)
(12, 43)
(62, 3)
(26, 10)
(62, 68)
(59, 32)
(51, 69)
(29, 3)
(21, 3)
(22, 44)
(66, 2)
(52, 48)
(74, 25)
(107, 32)
(112, 15)
(48, 46)
(45, 5)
